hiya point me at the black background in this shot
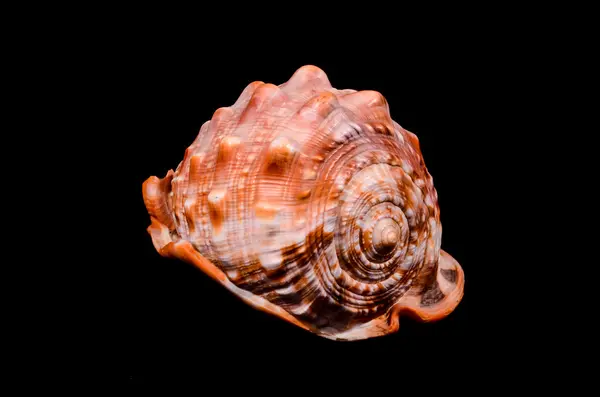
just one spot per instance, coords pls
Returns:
(156, 316)
(105, 97)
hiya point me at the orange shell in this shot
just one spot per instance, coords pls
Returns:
(312, 204)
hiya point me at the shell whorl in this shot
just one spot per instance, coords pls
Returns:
(370, 191)
(310, 203)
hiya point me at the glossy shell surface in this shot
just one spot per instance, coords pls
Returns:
(312, 204)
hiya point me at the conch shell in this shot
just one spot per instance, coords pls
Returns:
(312, 204)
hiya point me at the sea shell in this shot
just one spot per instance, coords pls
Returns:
(312, 204)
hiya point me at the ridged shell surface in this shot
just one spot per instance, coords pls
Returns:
(312, 204)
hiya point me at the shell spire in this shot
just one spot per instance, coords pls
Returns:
(312, 204)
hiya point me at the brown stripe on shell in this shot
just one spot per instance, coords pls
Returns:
(449, 274)
(325, 313)
(432, 295)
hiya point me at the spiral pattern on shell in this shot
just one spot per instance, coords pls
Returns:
(312, 204)
(375, 231)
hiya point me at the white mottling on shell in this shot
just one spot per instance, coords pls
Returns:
(331, 204)
(428, 201)
(329, 225)
(400, 137)
(412, 197)
(290, 289)
(271, 259)
(336, 271)
(407, 167)
(345, 132)
(189, 203)
(309, 174)
(432, 223)
(300, 222)
(301, 308)
(216, 196)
